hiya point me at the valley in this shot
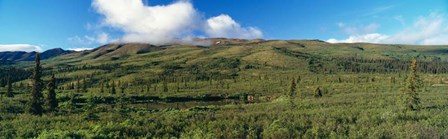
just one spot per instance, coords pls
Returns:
(233, 88)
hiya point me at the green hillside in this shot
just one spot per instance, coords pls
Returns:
(233, 89)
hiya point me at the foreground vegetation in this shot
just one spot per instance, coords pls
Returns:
(273, 89)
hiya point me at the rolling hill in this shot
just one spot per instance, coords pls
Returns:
(137, 63)
(29, 56)
(233, 89)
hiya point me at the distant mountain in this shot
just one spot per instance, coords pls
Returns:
(113, 51)
(29, 56)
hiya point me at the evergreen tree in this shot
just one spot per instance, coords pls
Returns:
(9, 92)
(410, 98)
(102, 88)
(35, 103)
(122, 88)
(52, 102)
(292, 89)
(299, 79)
(84, 85)
(113, 91)
(71, 106)
(90, 113)
(78, 85)
(122, 100)
(177, 86)
(318, 92)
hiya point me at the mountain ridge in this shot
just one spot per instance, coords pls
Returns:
(29, 56)
(116, 50)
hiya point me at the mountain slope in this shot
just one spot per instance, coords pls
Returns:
(29, 56)
(232, 57)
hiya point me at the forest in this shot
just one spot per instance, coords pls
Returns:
(268, 89)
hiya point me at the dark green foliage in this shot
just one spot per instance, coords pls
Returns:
(52, 102)
(84, 85)
(18, 75)
(91, 113)
(410, 98)
(78, 86)
(9, 91)
(36, 99)
(71, 104)
(113, 91)
(242, 94)
(122, 100)
(102, 87)
(318, 92)
(291, 93)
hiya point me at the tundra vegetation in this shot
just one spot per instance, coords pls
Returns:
(237, 89)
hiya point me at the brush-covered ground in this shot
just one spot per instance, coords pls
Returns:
(233, 89)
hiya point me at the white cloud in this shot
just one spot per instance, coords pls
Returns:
(85, 40)
(426, 30)
(20, 47)
(79, 49)
(100, 38)
(358, 29)
(431, 29)
(371, 38)
(224, 26)
(162, 24)
(151, 24)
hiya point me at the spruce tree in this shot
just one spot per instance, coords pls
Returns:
(122, 100)
(35, 102)
(177, 86)
(292, 89)
(122, 88)
(410, 98)
(113, 91)
(84, 85)
(9, 92)
(52, 102)
(90, 113)
(78, 85)
(102, 88)
(318, 92)
(71, 106)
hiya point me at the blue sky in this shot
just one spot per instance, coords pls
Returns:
(72, 24)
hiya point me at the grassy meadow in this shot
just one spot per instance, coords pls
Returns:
(237, 89)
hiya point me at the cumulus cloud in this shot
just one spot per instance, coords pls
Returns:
(162, 24)
(100, 38)
(224, 26)
(426, 30)
(150, 24)
(371, 38)
(20, 47)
